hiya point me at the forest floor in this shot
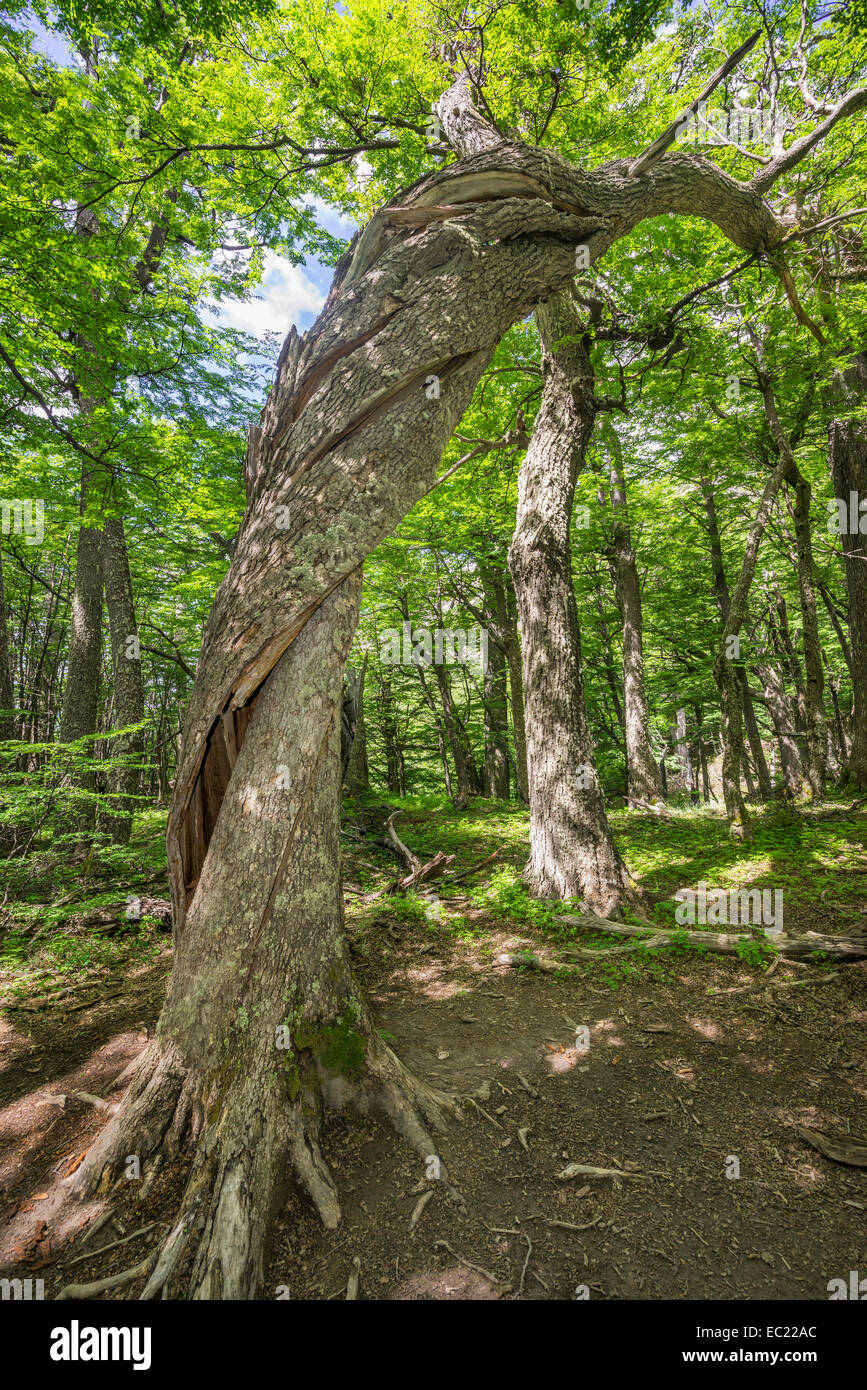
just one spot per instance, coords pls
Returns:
(681, 1088)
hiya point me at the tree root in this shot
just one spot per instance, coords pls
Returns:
(253, 1136)
(113, 1281)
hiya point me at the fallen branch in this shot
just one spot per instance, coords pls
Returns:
(726, 943)
(581, 1170)
(455, 878)
(492, 1278)
(839, 814)
(852, 1153)
(776, 984)
(418, 872)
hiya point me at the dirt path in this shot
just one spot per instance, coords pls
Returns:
(674, 1084)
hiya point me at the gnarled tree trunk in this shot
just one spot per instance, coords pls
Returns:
(349, 440)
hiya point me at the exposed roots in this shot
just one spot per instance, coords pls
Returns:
(248, 1139)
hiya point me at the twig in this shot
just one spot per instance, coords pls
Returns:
(520, 1292)
(104, 1249)
(492, 1278)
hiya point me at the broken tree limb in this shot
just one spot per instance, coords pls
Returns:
(418, 872)
(847, 1151)
(726, 943)
(465, 873)
(412, 860)
(582, 1170)
(776, 984)
(662, 142)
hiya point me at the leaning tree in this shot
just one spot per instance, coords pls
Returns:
(264, 1025)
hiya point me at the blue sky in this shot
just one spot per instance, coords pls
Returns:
(288, 294)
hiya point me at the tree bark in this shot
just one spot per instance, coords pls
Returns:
(572, 852)
(723, 598)
(516, 690)
(817, 731)
(779, 708)
(496, 707)
(128, 689)
(81, 692)
(847, 450)
(357, 771)
(642, 773)
(350, 438)
(728, 683)
(459, 743)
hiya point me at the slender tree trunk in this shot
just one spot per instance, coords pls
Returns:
(642, 773)
(847, 448)
(572, 852)
(610, 676)
(358, 771)
(702, 756)
(727, 680)
(687, 771)
(7, 722)
(516, 691)
(395, 775)
(462, 754)
(128, 688)
(495, 699)
(440, 728)
(817, 732)
(780, 711)
(81, 692)
(723, 598)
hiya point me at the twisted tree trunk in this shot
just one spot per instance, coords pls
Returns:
(263, 1025)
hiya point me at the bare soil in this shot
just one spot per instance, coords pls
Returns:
(678, 1090)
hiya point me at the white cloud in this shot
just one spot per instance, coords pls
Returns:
(285, 294)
